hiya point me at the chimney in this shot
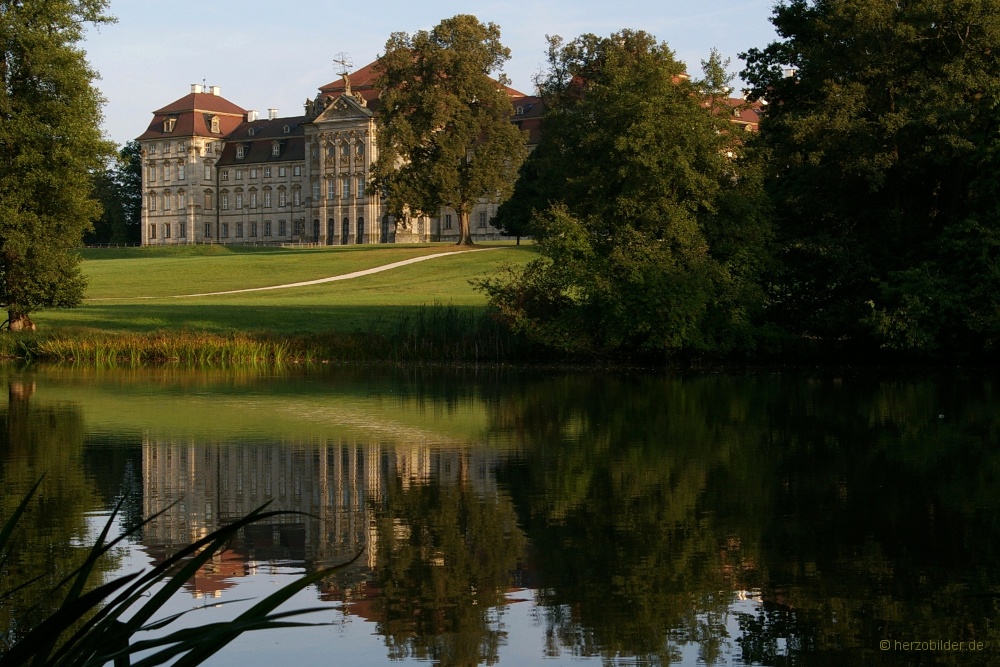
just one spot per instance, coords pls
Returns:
(272, 114)
(251, 115)
(196, 88)
(215, 90)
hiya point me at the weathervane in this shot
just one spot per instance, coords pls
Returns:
(346, 63)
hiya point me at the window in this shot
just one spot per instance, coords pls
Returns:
(275, 149)
(225, 201)
(287, 129)
(267, 228)
(330, 151)
(267, 172)
(152, 201)
(239, 202)
(282, 228)
(208, 230)
(359, 150)
(315, 190)
(166, 230)
(166, 201)
(345, 149)
(297, 171)
(281, 172)
(267, 200)
(181, 172)
(330, 189)
(239, 152)
(208, 200)
(297, 197)
(208, 172)
(239, 174)
(239, 230)
(215, 124)
(224, 175)
(253, 229)
(345, 187)
(152, 231)
(166, 173)
(225, 230)
(152, 149)
(361, 187)
(182, 230)
(447, 220)
(182, 201)
(281, 199)
(168, 124)
(300, 227)
(482, 219)
(253, 200)
(253, 172)
(151, 173)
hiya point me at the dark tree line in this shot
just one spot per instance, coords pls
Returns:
(118, 187)
(863, 215)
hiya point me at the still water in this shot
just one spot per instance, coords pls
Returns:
(521, 518)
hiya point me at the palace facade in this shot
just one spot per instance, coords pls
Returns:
(214, 172)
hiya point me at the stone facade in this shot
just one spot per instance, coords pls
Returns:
(214, 172)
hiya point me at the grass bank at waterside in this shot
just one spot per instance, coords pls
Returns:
(221, 305)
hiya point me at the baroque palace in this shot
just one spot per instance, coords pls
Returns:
(214, 172)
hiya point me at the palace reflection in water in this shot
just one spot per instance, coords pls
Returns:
(641, 519)
(331, 492)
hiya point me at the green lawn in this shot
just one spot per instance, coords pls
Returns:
(119, 278)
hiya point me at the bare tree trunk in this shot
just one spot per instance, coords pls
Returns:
(464, 235)
(18, 321)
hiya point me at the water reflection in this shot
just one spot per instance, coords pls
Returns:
(654, 520)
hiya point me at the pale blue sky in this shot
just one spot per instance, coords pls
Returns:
(276, 54)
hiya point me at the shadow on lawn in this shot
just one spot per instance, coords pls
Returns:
(220, 318)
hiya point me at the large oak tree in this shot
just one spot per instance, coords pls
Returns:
(648, 221)
(445, 136)
(50, 143)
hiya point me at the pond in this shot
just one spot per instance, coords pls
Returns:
(527, 517)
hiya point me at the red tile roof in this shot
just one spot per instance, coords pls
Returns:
(202, 102)
(192, 115)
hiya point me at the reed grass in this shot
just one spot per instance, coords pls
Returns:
(438, 333)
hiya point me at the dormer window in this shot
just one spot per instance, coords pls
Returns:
(168, 124)
(215, 124)
(287, 129)
(250, 131)
(239, 152)
(275, 148)
(519, 111)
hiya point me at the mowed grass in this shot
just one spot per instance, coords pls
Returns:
(376, 303)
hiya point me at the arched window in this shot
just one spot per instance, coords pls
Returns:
(345, 230)
(361, 231)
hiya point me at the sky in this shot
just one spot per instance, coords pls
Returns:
(268, 54)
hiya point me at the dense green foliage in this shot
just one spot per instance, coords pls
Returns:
(651, 228)
(445, 136)
(50, 143)
(119, 189)
(883, 146)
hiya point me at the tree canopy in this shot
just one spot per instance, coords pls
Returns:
(50, 143)
(445, 136)
(882, 127)
(118, 188)
(646, 217)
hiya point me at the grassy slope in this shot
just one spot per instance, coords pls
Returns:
(365, 303)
